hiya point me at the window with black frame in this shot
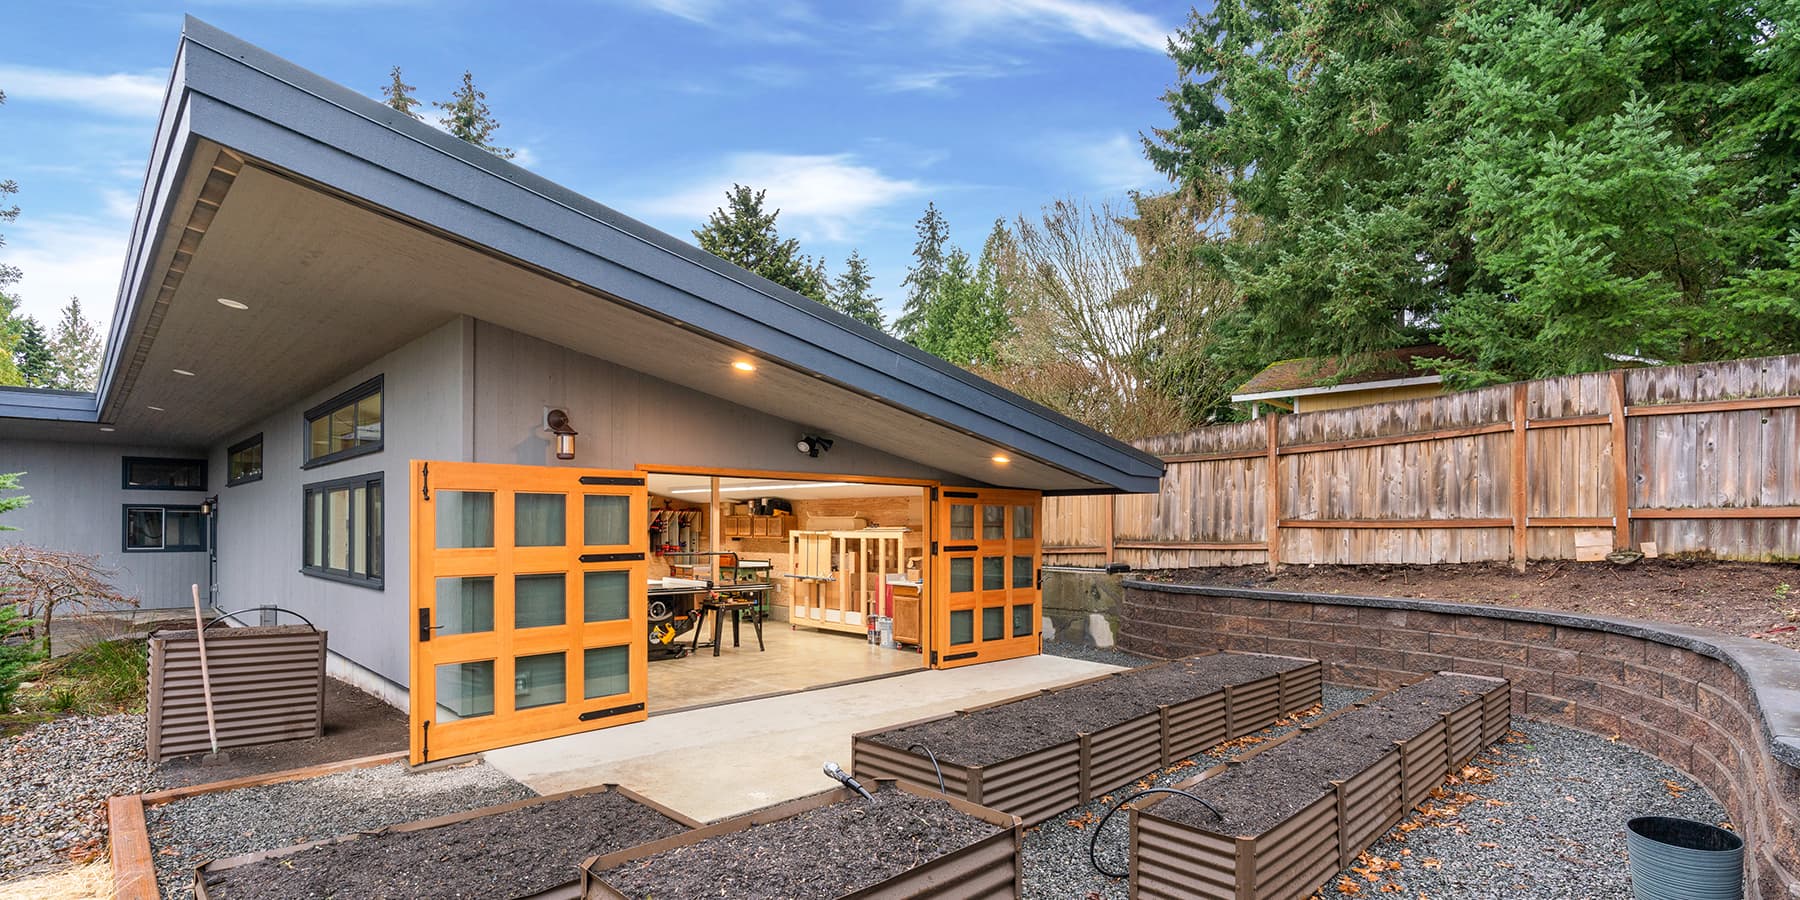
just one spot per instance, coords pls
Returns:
(345, 426)
(171, 529)
(157, 473)
(341, 534)
(244, 461)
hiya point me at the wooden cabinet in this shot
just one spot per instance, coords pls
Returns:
(907, 610)
(754, 526)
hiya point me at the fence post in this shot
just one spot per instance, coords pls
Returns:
(1620, 464)
(1272, 504)
(1112, 527)
(1521, 497)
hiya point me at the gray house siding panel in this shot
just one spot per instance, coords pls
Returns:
(626, 418)
(77, 505)
(424, 417)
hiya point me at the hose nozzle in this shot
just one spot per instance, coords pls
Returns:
(842, 777)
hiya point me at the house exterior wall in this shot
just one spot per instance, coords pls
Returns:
(78, 505)
(626, 418)
(1345, 399)
(424, 416)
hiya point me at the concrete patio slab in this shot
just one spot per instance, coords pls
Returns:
(724, 760)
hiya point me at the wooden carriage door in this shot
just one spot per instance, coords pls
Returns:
(986, 604)
(528, 604)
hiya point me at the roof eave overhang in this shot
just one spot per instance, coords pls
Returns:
(265, 108)
(1340, 388)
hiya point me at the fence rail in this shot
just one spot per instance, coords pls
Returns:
(1698, 459)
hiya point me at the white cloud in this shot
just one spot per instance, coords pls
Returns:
(937, 79)
(770, 21)
(820, 196)
(524, 157)
(1094, 20)
(64, 257)
(1109, 164)
(118, 94)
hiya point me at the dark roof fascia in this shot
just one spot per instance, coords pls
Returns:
(34, 403)
(258, 104)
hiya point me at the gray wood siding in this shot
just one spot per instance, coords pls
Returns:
(626, 418)
(77, 505)
(424, 417)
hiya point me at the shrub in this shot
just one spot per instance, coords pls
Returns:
(17, 652)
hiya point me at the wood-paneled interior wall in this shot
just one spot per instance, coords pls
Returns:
(1700, 459)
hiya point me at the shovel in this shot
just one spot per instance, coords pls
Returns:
(212, 729)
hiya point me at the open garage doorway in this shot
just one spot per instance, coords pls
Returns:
(767, 584)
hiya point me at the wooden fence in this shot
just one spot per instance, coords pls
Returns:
(1700, 459)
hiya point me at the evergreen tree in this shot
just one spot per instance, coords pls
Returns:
(466, 116)
(11, 331)
(74, 351)
(966, 320)
(928, 269)
(32, 355)
(399, 95)
(850, 294)
(9, 484)
(742, 232)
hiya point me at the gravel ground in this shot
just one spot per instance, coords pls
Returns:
(1540, 815)
(1095, 654)
(1056, 852)
(189, 832)
(54, 781)
(1550, 823)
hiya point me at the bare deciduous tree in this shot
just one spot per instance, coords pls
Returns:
(1105, 303)
(41, 582)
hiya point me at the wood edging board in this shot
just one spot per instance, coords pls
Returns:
(1001, 848)
(133, 868)
(1294, 856)
(568, 889)
(1042, 782)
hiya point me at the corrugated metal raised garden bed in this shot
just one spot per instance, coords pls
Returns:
(1037, 755)
(904, 842)
(528, 849)
(1299, 809)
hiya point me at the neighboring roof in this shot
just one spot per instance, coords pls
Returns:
(1323, 374)
(242, 127)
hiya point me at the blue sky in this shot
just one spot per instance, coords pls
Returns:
(852, 115)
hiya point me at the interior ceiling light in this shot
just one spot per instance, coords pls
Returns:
(182, 372)
(158, 409)
(108, 428)
(1002, 458)
(234, 304)
(764, 488)
(744, 365)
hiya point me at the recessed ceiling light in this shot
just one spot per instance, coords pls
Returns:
(234, 304)
(1001, 459)
(182, 372)
(744, 365)
(108, 428)
(158, 408)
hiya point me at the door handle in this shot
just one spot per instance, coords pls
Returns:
(425, 626)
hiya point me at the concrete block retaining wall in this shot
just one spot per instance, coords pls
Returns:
(1726, 710)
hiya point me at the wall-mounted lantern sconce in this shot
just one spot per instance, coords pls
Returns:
(557, 422)
(812, 445)
(210, 506)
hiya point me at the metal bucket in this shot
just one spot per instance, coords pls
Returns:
(1681, 859)
(884, 625)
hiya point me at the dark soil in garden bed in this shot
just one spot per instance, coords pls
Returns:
(999, 733)
(821, 853)
(1273, 785)
(509, 854)
(1760, 600)
(356, 725)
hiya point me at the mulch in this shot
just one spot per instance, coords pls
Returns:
(998, 733)
(510, 854)
(1759, 600)
(356, 725)
(825, 852)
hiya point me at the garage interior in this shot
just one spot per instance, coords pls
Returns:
(831, 570)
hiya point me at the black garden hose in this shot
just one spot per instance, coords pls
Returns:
(934, 766)
(1093, 857)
